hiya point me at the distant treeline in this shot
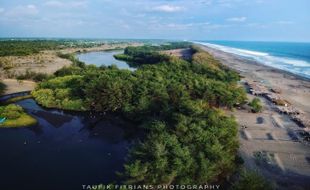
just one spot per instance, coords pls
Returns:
(21, 48)
(149, 54)
(28, 47)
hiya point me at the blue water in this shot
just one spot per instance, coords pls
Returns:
(106, 58)
(289, 56)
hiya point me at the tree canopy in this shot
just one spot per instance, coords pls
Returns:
(189, 140)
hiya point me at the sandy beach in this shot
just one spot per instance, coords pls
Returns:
(294, 88)
(271, 142)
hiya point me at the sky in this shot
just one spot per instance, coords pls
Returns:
(249, 20)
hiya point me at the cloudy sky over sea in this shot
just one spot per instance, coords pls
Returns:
(271, 20)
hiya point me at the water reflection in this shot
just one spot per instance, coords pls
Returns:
(64, 150)
(104, 58)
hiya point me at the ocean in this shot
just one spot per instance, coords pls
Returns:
(293, 57)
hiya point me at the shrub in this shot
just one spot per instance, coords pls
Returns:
(45, 97)
(251, 180)
(31, 75)
(38, 77)
(256, 105)
(11, 111)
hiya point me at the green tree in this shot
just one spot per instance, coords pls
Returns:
(253, 181)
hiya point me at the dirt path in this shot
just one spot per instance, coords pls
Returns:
(14, 86)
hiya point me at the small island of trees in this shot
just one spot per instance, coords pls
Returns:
(14, 116)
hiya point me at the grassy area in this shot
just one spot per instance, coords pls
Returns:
(15, 116)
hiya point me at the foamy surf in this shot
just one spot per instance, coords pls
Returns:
(299, 67)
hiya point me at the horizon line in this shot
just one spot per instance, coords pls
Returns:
(165, 39)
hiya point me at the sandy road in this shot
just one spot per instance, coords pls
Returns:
(14, 86)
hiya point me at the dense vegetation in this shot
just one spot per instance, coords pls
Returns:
(37, 77)
(189, 140)
(149, 54)
(252, 180)
(15, 116)
(26, 47)
(256, 105)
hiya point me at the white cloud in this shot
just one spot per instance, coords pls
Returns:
(168, 8)
(22, 11)
(236, 19)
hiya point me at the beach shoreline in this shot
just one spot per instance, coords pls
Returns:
(294, 88)
(270, 141)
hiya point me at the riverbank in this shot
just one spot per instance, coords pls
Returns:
(271, 142)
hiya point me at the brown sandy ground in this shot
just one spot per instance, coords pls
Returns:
(43, 62)
(184, 53)
(14, 86)
(46, 61)
(269, 141)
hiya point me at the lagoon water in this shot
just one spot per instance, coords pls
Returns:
(106, 58)
(63, 151)
(288, 56)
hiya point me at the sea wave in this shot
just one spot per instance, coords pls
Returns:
(296, 66)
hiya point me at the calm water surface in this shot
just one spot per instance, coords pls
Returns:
(63, 151)
(103, 58)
